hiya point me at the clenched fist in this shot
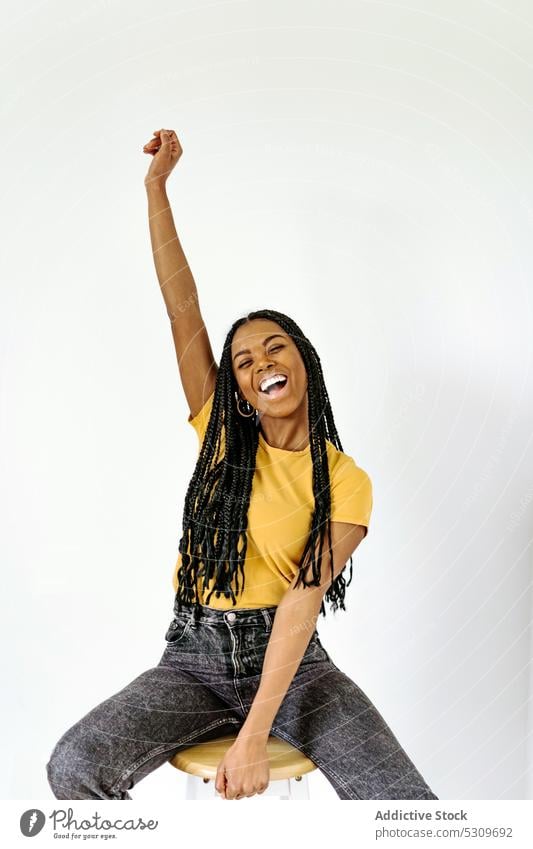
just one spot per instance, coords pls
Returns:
(166, 150)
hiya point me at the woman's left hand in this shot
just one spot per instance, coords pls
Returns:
(243, 771)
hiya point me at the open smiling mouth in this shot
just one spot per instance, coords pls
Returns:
(275, 387)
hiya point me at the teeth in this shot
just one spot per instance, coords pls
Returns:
(270, 380)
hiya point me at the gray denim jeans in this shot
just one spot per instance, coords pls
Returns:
(203, 687)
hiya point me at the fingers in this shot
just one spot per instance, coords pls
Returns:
(220, 781)
(232, 793)
(167, 135)
(162, 137)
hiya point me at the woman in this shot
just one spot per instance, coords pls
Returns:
(273, 512)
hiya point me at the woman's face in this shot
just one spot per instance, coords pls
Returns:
(255, 356)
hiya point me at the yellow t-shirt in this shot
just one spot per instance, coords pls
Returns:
(280, 511)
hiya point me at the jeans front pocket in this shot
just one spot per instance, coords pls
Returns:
(177, 631)
(253, 642)
(315, 651)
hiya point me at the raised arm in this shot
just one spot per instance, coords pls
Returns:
(196, 363)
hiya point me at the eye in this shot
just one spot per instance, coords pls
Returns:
(275, 348)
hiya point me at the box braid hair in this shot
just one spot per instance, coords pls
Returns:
(215, 515)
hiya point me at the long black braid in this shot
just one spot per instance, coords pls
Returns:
(215, 516)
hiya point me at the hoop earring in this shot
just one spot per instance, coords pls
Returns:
(247, 411)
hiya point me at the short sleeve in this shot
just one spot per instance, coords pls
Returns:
(201, 419)
(200, 423)
(351, 493)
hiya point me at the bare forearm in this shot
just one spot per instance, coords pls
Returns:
(174, 275)
(293, 626)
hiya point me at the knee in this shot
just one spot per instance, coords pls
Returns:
(66, 769)
(53, 772)
(59, 772)
(54, 769)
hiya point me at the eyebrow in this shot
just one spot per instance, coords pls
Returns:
(247, 350)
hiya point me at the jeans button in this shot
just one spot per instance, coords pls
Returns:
(232, 616)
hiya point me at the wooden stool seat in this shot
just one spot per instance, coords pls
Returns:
(286, 764)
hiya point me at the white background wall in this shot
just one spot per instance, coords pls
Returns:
(364, 167)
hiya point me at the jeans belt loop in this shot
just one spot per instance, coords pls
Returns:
(267, 618)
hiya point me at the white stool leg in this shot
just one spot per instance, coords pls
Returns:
(197, 788)
(299, 788)
(285, 789)
(281, 788)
